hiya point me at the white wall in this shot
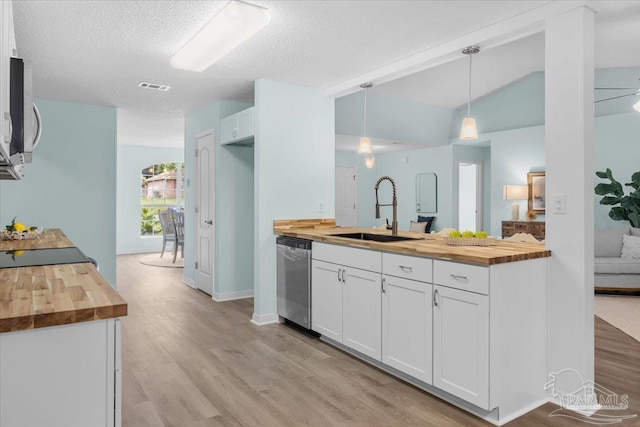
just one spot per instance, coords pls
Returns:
(294, 171)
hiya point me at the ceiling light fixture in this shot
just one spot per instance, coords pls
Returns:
(365, 143)
(234, 24)
(369, 161)
(636, 106)
(469, 130)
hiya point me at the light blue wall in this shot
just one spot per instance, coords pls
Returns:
(393, 118)
(294, 170)
(234, 202)
(131, 159)
(436, 159)
(617, 147)
(71, 183)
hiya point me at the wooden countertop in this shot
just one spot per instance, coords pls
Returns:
(37, 297)
(50, 238)
(426, 245)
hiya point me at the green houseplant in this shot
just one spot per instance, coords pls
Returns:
(625, 207)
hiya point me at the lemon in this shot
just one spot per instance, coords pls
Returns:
(467, 233)
(454, 233)
(18, 226)
(481, 234)
(18, 253)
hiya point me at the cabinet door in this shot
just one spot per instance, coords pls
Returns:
(407, 326)
(326, 299)
(461, 344)
(362, 312)
(229, 130)
(245, 123)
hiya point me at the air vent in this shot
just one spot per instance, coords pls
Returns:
(153, 86)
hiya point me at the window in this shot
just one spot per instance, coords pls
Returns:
(161, 188)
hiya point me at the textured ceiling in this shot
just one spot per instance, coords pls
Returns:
(98, 51)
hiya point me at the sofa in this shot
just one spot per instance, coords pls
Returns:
(615, 271)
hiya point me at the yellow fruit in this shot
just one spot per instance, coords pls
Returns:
(455, 233)
(18, 226)
(481, 234)
(18, 253)
(467, 233)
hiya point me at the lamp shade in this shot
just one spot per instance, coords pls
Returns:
(369, 161)
(515, 192)
(234, 24)
(365, 146)
(636, 106)
(469, 130)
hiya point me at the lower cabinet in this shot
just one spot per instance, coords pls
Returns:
(461, 344)
(326, 299)
(361, 312)
(406, 326)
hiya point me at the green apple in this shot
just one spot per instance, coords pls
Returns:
(481, 234)
(455, 233)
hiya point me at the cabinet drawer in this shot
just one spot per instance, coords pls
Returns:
(352, 257)
(461, 276)
(522, 227)
(408, 267)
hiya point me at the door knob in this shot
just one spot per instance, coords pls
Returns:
(210, 222)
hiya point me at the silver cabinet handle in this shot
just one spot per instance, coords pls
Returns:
(339, 279)
(343, 279)
(406, 269)
(458, 277)
(435, 298)
(384, 286)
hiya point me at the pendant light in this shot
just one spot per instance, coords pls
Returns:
(469, 130)
(365, 144)
(369, 161)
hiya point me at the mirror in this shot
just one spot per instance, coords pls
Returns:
(427, 193)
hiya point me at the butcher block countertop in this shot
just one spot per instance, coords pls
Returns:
(41, 296)
(425, 245)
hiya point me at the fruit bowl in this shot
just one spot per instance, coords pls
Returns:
(20, 235)
(466, 241)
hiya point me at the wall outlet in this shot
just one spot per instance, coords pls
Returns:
(559, 204)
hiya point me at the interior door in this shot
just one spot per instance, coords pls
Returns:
(345, 196)
(469, 196)
(205, 199)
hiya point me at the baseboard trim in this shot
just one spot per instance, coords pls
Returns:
(510, 417)
(140, 251)
(230, 296)
(265, 319)
(189, 281)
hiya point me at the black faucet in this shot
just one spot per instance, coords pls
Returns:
(394, 203)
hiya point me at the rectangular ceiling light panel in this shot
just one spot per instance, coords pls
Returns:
(233, 25)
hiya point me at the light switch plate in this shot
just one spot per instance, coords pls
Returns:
(559, 204)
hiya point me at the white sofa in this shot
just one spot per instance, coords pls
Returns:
(612, 272)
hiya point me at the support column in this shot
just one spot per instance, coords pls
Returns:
(569, 129)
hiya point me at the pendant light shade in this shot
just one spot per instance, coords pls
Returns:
(469, 130)
(365, 144)
(369, 161)
(636, 106)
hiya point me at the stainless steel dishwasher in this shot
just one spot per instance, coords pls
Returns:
(294, 280)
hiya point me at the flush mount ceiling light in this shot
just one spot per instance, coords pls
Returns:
(234, 24)
(636, 92)
(469, 130)
(365, 144)
(154, 86)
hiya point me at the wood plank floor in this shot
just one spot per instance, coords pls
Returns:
(191, 362)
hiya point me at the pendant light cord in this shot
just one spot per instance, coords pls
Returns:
(364, 131)
(469, 97)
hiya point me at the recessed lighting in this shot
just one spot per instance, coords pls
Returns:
(154, 86)
(233, 25)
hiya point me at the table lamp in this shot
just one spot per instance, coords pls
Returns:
(515, 192)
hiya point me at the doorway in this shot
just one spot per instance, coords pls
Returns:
(470, 196)
(205, 209)
(345, 196)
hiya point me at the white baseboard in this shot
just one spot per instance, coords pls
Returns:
(189, 281)
(139, 251)
(521, 412)
(229, 296)
(265, 319)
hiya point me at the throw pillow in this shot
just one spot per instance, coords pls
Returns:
(630, 246)
(429, 220)
(418, 227)
(635, 231)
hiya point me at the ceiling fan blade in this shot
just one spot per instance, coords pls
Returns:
(615, 97)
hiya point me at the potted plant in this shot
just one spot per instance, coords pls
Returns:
(625, 207)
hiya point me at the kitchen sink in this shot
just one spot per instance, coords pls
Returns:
(374, 237)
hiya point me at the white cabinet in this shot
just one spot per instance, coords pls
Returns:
(238, 128)
(461, 344)
(326, 299)
(7, 49)
(61, 376)
(362, 312)
(406, 326)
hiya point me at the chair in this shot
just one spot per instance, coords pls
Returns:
(178, 225)
(168, 229)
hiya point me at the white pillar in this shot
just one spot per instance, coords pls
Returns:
(569, 128)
